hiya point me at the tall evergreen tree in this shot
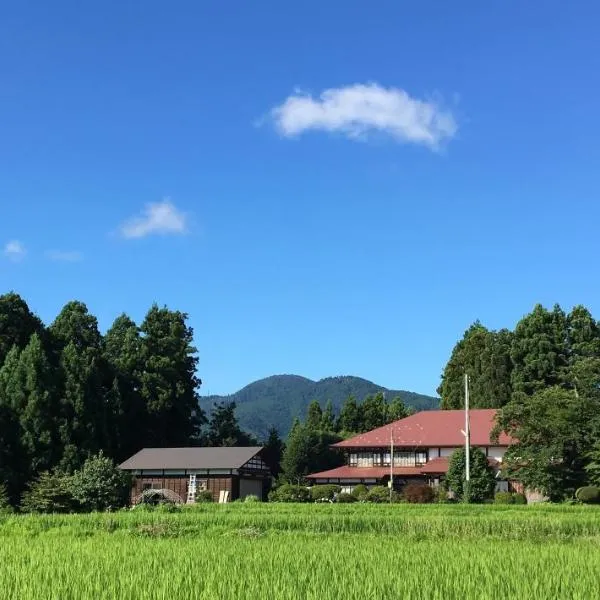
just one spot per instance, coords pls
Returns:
(374, 412)
(123, 353)
(308, 451)
(539, 352)
(396, 410)
(169, 385)
(83, 406)
(485, 356)
(584, 351)
(350, 419)
(13, 462)
(17, 324)
(75, 325)
(224, 429)
(28, 401)
(273, 451)
(37, 406)
(314, 417)
(328, 418)
(85, 388)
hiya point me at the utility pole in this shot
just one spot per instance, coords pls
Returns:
(391, 463)
(467, 434)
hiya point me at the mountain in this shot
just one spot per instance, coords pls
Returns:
(278, 399)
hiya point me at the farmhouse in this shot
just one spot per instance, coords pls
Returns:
(421, 445)
(181, 473)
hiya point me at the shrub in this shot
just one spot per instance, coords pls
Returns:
(324, 493)
(204, 496)
(289, 493)
(166, 507)
(345, 498)
(360, 492)
(49, 493)
(418, 493)
(5, 506)
(380, 494)
(503, 498)
(589, 494)
(441, 494)
(519, 499)
(251, 498)
(99, 485)
(482, 479)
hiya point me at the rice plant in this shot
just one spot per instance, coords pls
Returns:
(288, 552)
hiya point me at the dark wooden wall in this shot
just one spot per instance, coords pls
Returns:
(179, 485)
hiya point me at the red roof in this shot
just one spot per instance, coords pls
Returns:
(436, 465)
(347, 472)
(432, 428)
(433, 467)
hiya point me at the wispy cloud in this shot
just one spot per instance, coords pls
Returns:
(358, 110)
(14, 250)
(64, 256)
(157, 218)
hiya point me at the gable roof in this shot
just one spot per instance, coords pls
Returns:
(190, 458)
(432, 428)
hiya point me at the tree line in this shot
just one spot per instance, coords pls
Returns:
(67, 392)
(544, 377)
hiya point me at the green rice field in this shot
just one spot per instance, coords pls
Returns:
(291, 552)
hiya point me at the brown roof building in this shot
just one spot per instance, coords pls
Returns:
(180, 473)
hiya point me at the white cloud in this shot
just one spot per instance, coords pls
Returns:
(64, 256)
(14, 250)
(358, 110)
(157, 218)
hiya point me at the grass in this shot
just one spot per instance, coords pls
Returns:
(324, 552)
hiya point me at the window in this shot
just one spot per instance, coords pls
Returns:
(151, 485)
(421, 458)
(353, 460)
(404, 459)
(365, 459)
(386, 459)
(377, 459)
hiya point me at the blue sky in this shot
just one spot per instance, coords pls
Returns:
(326, 188)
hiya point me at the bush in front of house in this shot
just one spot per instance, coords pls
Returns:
(289, 493)
(589, 494)
(482, 478)
(360, 492)
(519, 499)
(99, 485)
(418, 493)
(503, 498)
(345, 498)
(251, 498)
(441, 494)
(380, 494)
(204, 496)
(324, 493)
(51, 492)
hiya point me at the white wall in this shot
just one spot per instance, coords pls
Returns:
(496, 452)
(447, 451)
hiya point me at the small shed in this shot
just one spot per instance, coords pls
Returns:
(228, 473)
